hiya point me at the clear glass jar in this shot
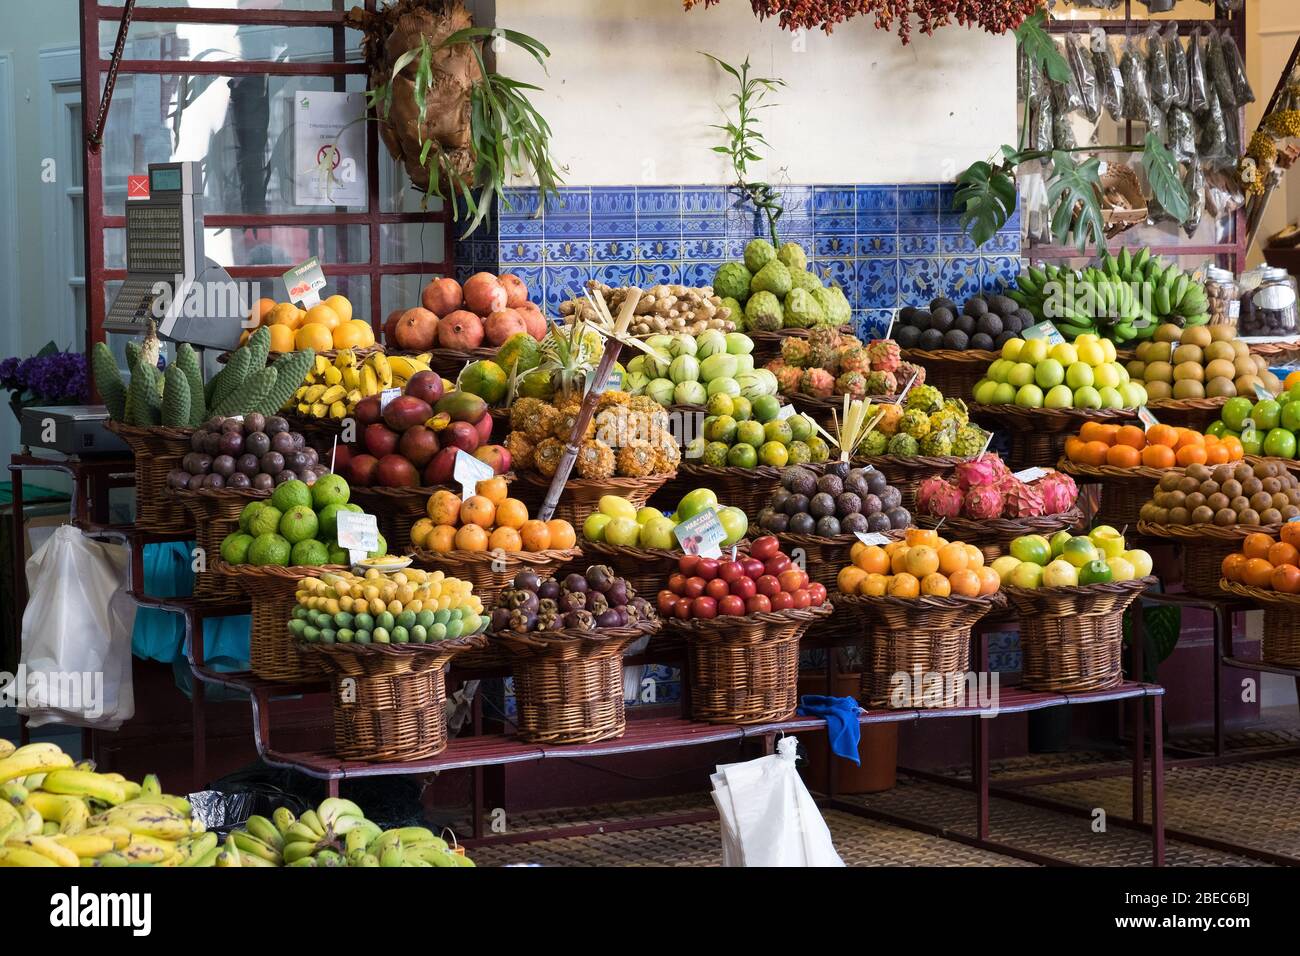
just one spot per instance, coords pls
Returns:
(1271, 309)
(1224, 296)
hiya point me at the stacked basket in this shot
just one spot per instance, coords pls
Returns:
(158, 449)
(1280, 643)
(216, 514)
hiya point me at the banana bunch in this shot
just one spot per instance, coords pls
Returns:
(1123, 298)
(57, 813)
(332, 389)
(337, 833)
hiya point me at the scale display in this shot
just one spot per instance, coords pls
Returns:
(152, 238)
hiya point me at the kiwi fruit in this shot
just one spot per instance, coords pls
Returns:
(1136, 369)
(1159, 352)
(1240, 349)
(1248, 516)
(1270, 516)
(1251, 486)
(1246, 385)
(1218, 501)
(1188, 353)
(1222, 333)
(1169, 481)
(1221, 473)
(1158, 391)
(1261, 500)
(1158, 371)
(1179, 516)
(1243, 471)
(1198, 471)
(1289, 512)
(1220, 368)
(1187, 484)
(1189, 388)
(1244, 365)
(1202, 515)
(1194, 500)
(1239, 503)
(1189, 370)
(1209, 487)
(1216, 351)
(1231, 488)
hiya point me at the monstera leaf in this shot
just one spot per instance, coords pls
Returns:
(1072, 192)
(1162, 173)
(986, 196)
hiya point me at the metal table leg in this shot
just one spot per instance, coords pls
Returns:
(1158, 780)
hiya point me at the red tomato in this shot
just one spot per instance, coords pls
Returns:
(768, 584)
(782, 601)
(677, 583)
(694, 587)
(707, 568)
(758, 603)
(730, 570)
(816, 594)
(665, 601)
(765, 547)
(682, 609)
(775, 565)
(731, 605)
(687, 563)
(704, 607)
(802, 598)
(753, 567)
(744, 587)
(716, 588)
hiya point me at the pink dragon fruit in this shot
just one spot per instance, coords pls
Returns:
(940, 498)
(906, 370)
(1019, 500)
(977, 471)
(818, 383)
(1058, 490)
(925, 490)
(883, 355)
(983, 501)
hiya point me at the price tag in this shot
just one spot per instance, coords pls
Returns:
(386, 396)
(614, 380)
(357, 533)
(304, 282)
(1262, 394)
(872, 537)
(1146, 418)
(1030, 474)
(784, 412)
(702, 535)
(468, 472)
(1043, 330)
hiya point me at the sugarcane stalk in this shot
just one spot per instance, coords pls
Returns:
(607, 361)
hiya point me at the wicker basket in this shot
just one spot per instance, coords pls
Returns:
(569, 684)
(1204, 548)
(388, 700)
(824, 557)
(1072, 638)
(907, 472)
(1196, 413)
(952, 372)
(1123, 490)
(581, 496)
(767, 345)
(1280, 644)
(491, 571)
(916, 637)
(1277, 353)
(992, 536)
(398, 509)
(745, 670)
(1038, 435)
(216, 514)
(449, 362)
(361, 353)
(646, 569)
(745, 488)
(157, 451)
(272, 654)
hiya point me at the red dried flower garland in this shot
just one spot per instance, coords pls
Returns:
(995, 16)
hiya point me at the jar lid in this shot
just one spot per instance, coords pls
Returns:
(1272, 273)
(1215, 274)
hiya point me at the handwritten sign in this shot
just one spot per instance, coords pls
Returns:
(1030, 474)
(872, 537)
(702, 534)
(386, 396)
(468, 472)
(304, 282)
(1043, 330)
(784, 412)
(358, 534)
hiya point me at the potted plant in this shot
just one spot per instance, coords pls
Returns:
(50, 377)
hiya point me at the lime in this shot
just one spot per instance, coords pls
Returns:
(801, 427)
(723, 429)
(234, 549)
(799, 453)
(299, 523)
(291, 494)
(742, 456)
(264, 521)
(766, 408)
(818, 450)
(778, 431)
(250, 509)
(715, 454)
(309, 553)
(337, 554)
(268, 549)
(329, 490)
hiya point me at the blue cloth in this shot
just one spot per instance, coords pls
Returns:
(841, 716)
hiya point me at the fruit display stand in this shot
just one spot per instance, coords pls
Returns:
(1204, 547)
(491, 571)
(1280, 642)
(951, 371)
(158, 450)
(745, 488)
(1038, 434)
(646, 569)
(767, 345)
(1197, 413)
(581, 496)
(1123, 490)
(449, 362)
(216, 513)
(397, 509)
(906, 472)
(388, 700)
(992, 534)
(1071, 638)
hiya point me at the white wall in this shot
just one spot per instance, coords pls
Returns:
(1273, 26)
(629, 98)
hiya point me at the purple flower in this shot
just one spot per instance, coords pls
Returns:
(57, 376)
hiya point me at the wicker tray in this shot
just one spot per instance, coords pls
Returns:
(745, 670)
(1204, 548)
(1123, 490)
(952, 372)
(1072, 638)
(907, 472)
(993, 535)
(745, 488)
(389, 700)
(915, 637)
(272, 654)
(491, 571)
(1197, 413)
(449, 362)
(581, 495)
(1278, 352)
(767, 345)
(824, 557)
(646, 569)
(157, 450)
(330, 354)
(216, 514)
(569, 684)
(1280, 644)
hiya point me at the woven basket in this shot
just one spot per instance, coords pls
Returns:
(491, 571)
(1072, 638)
(745, 670)
(1277, 353)
(745, 488)
(1123, 490)
(216, 514)
(767, 345)
(915, 637)
(906, 473)
(272, 654)
(646, 569)
(388, 700)
(449, 362)
(952, 372)
(1204, 548)
(581, 496)
(1038, 435)
(1196, 413)
(1280, 645)
(397, 509)
(157, 451)
(330, 354)
(993, 536)
(824, 557)
(569, 684)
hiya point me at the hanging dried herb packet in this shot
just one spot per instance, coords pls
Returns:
(1085, 76)
(1159, 80)
(1198, 99)
(1137, 95)
(1110, 81)
(1177, 64)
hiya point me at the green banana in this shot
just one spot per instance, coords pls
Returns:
(264, 830)
(251, 846)
(283, 818)
(313, 823)
(297, 851)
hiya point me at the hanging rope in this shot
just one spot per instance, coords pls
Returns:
(96, 137)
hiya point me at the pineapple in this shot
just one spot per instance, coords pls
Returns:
(547, 455)
(565, 419)
(667, 455)
(521, 450)
(595, 460)
(636, 459)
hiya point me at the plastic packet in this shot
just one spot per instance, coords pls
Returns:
(1110, 81)
(1216, 71)
(1062, 132)
(1194, 184)
(1029, 79)
(1198, 99)
(1177, 64)
(1044, 117)
(1065, 97)
(1159, 124)
(1232, 127)
(1137, 94)
(1158, 77)
(1159, 6)
(1214, 134)
(1181, 134)
(1223, 193)
(1236, 69)
(1085, 77)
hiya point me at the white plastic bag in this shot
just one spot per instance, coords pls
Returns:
(768, 816)
(75, 666)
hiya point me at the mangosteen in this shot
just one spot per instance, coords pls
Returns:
(547, 606)
(296, 461)
(645, 611)
(239, 480)
(257, 443)
(263, 482)
(285, 476)
(802, 523)
(212, 443)
(232, 444)
(223, 465)
(549, 589)
(796, 504)
(299, 442)
(500, 618)
(521, 621)
(788, 475)
(312, 455)
(890, 498)
(853, 524)
(830, 484)
(521, 599)
(618, 592)
(254, 422)
(776, 523)
(778, 497)
(764, 516)
(197, 440)
(856, 482)
(319, 470)
(248, 464)
(528, 580)
(580, 620)
(272, 462)
(840, 469)
(213, 424)
(275, 424)
(575, 582)
(878, 522)
(609, 618)
(898, 518)
(214, 481)
(178, 478)
(306, 476)
(572, 600)
(282, 442)
(597, 603)
(822, 504)
(600, 577)
(201, 465)
(828, 526)
(847, 503)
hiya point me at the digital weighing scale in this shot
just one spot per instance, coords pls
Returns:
(76, 430)
(168, 278)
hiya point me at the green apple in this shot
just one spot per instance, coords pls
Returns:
(1235, 412)
(647, 514)
(1078, 375)
(1022, 373)
(1049, 373)
(1004, 394)
(1134, 394)
(1121, 569)
(1004, 566)
(1029, 396)
(1124, 376)
(616, 507)
(1110, 397)
(1034, 351)
(734, 523)
(1252, 442)
(1058, 542)
(1032, 547)
(999, 368)
(1140, 560)
(658, 533)
(1060, 574)
(1107, 540)
(1279, 443)
(985, 391)
(1065, 353)
(722, 386)
(1087, 397)
(1267, 414)
(1059, 396)
(1290, 416)
(693, 502)
(1096, 572)
(624, 532)
(1027, 575)
(1079, 551)
(1218, 429)
(593, 529)
(1106, 375)
(1011, 349)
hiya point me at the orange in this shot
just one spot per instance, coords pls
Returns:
(1162, 435)
(1216, 453)
(922, 536)
(1291, 533)
(443, 507)
(471, 537)
(891, 547)
(284, 313)
(1191, 455)
(1159, 456)
(1074, 446)
(1286, 579)
(420, 530)
(1188, 437)
(936, 584)
(1132, 436)
(1098, 431)
(1257, 545)
(341, 306)
(989, 581)
(353, 335)
(1283, 553)
(535, 535)
(904, 586)
(953, 557)
(505, 539)
(281, 338)
(441, 539)
(1235, 449)
(495, 490)
(1094, 453)
(1123, 456)
(512, 513)
(1233, 566)
(873, 559)
(562, 534)
(1258, 573)
(966, 583)
(850, 579)
(857, 548)
(921, 561)
(974, 556)
(323, 315)
(257, 314)
(874, 585)
(478, 510)
(314, 336)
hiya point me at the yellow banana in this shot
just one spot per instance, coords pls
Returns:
(52, 806)
(229, 855)
(283, 818)
(6, 747)
(33, 758)
(32, 820)
(319, 409)
(333, 376)
(177, 804)
(152, 820)
(85, 846)
(49, 848)
(150, 786)
(382, 368)
(143, 849)
(320, 365)
(120, 836)
(333, 394)
(251, 846)
(314, 393)
(338, 411)
(84, 783)
(345, 359)
(23, 856)
(369, 381)
(75, 818)
(351, 378)
(262, 828)
(12, 791)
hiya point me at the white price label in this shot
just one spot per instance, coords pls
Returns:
(1146, 418)
(702, 535)
(784, 412)
(468, 472)
(386, 396)
(304, 282)
(1030, 474)
(358, 532)
(872, 537)
(1043, 330)
(1262, 394)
